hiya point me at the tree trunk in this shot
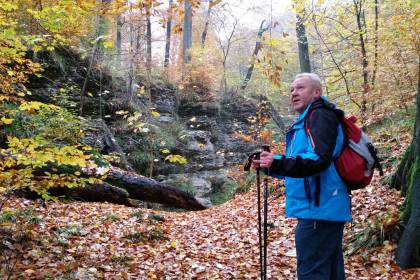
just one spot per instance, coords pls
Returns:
(187, 32)
(118, 42)
(206, 25)
(362, 32)
(254, 55)
(148, 55)
(146, 189)
(168, 35)
(96, 193)
(305, 64)
(130, 74)
(226, 50)
(92, 59)
(375, 62)
(121, 186)
(408, 252)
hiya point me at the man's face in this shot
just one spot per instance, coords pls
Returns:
(302, 93)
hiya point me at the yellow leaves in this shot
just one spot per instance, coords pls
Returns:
(176, 159)
(32, 106)
(165, 151)
(155, 114)
(193, 119)
(273, 42)
(6, 121)
(108, 44)
(4, 98)
(8, 6)
(174, 244)
(32, 154)
(141, 91)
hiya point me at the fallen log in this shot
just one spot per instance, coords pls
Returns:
(103, 192)
(147, 189)
(121, 187)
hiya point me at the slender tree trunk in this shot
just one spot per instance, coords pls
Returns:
(83, 91)
(206, 25)
(226, 50)
(362, 32)
(375, 62)
(148, 55)
(98, 38)
(168, 35)
(408, 252)
(187, 32)
(130, 79)
(254, 55)
(305, 64)
(118, 42)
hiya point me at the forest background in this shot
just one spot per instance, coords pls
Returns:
(205, 52)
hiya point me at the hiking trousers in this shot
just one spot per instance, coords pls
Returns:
(319, 250)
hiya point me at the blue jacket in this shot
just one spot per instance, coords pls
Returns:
(314, 190)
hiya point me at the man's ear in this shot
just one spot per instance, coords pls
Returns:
(317, 93)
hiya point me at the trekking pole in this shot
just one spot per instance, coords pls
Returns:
(267, 149)
(259, 223)
(265, 227)
(262, 244)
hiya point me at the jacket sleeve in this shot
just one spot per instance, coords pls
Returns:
(321, 128)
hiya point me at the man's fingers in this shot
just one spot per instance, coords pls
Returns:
(264, 153)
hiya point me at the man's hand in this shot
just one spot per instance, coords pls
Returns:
(265, 161)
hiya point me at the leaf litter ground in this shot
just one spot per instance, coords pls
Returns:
(79, 240)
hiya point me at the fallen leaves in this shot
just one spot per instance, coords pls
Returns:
(105, 241)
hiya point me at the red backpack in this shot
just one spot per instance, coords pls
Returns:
(358, 157)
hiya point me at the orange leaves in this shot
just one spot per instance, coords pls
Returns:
(266, 136)
(105, 241)
(242, 136)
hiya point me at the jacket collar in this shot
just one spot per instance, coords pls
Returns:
(319, 103)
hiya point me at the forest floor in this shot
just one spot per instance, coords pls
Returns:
(77, 240)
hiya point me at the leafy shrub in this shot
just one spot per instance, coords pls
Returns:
(7, 216)
(148, 234)
(138, 214)
(42, 148)
(31, 119)
(246, 181)
(112, 218)
(225, 193)
(140, 160)
(182, 184)
(22, 171)
(71, 230)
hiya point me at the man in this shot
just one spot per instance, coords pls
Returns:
(315, 193)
